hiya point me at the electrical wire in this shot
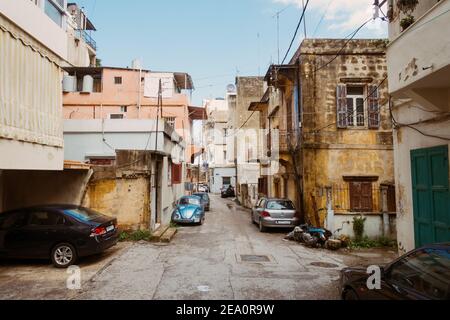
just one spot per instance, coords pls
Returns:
(296, 31)
(352, 35)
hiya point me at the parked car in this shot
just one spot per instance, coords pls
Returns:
(227, 191)
(274, 213)
(423, 274)
(62, 233)
(203, 188)
(206, 201)
(189, 210)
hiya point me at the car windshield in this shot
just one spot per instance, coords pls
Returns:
(187, 201)
(82, 214)
(204, 196)
(280, 205)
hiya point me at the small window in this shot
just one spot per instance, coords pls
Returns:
(116, 116)
(118, 80)
(45, 218)
(225, 156)
(226, 181)
(124, 109)
(361, 196)
(170, 121)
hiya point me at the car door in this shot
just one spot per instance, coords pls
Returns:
(45, 228)
(422, 275)
(13, 236)
(259, 209)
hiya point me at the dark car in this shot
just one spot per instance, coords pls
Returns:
(62, 233)
(423, 274)
(206, 201)
(227, 192)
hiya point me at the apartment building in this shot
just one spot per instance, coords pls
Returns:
(418, 57)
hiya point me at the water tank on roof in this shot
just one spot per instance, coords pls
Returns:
(88, 84)
(69, 83)
(136, 64)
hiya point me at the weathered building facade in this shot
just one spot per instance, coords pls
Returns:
(328, 123)
(419, 83)
(245, 128)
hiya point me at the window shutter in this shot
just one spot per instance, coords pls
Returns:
(176, 173)
(342, 114)
(374, 107)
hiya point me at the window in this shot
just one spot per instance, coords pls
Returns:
(356, 109)
(116, 116)
(226, 181)
(55, 10)
(124, 109)
(224, 156)
(190, 200)
(280, 205)
(12, 220)
(170, 121)
(361, 196)
(117, 80)
(83, 214)
(177, 172)
(45, 218)
(425, 271)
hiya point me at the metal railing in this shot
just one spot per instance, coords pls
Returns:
(86, 38)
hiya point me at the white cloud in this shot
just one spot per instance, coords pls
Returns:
(344, 15)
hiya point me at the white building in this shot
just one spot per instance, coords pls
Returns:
(219, 150)
(419, 82)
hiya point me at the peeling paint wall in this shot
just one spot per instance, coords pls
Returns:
(329, 153)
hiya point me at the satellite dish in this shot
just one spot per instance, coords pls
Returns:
(231, 88)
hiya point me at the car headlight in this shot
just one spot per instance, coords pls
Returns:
(176, 215)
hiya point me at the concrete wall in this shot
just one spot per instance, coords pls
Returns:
(373, 227)
(30, 188)
(331, 153)
(406, 140)
(216, 182)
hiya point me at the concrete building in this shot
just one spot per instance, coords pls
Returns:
(139, 168)
(245, 129)
(219, 148)
(329, 135)
(419, 83)
(33, 47)
(82, 48)
(121, 93)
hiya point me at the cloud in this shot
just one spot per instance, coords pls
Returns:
(343, 15)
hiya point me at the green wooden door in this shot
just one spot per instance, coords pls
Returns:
(431, 195)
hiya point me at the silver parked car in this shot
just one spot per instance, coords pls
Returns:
(274, 213)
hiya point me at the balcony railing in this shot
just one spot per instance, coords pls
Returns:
(87, 38)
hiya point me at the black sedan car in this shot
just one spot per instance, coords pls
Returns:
(423, 274)
(227, 192)
(62, 233)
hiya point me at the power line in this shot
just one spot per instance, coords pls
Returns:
(323, 17)
(296, 31)
(344, 46)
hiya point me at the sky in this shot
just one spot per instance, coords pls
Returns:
(214, 41)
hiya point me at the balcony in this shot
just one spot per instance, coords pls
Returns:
(82, 34)
(419, 56)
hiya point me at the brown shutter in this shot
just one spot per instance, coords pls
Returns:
(342, 114)
(361, 197)
(177, 170)
(374, 107)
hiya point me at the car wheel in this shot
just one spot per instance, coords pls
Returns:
(350, 294)
(202, 221)
(261, 226)
(64, 255)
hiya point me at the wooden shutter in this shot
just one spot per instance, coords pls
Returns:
(361, 197)
(342, 114)
(374, 107)
(177, 170)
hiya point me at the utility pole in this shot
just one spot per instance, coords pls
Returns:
(156, 149)
(277, 15)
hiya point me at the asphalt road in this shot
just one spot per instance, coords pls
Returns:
(227, 258)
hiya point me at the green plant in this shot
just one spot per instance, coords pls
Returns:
(407, 6)
(358, 227)
(366, 243)
(406, 22)
(144, 235)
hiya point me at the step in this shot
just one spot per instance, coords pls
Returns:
(168, 235)
(156, 236)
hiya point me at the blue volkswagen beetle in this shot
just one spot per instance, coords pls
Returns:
(189, 210)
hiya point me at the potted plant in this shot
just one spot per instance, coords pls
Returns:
(407, 7)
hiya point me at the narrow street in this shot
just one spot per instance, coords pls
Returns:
(207, 263)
